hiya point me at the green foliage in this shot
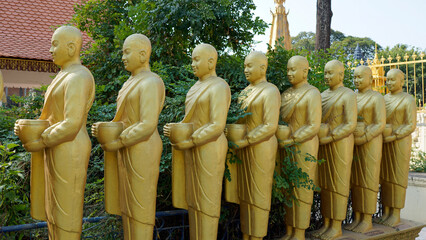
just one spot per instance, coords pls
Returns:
(290, 176)
(339, 42)
(418, 161)
(176, 26)
(14, 203)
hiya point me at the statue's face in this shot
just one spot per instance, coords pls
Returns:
(332, 75)
(253, 68)
(394, 81)
(362, 78)
(296, 72)
(60, 49)
(200, 61)
(131, 55)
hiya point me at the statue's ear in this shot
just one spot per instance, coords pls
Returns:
(305, 72)
(211, 63)
(142, 56)
(71, 49)
(263, 67)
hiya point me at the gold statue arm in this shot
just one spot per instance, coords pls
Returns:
(271, 113)
(350, 118)
(406, 129)
(373, 130)
(219, 104)
(75, 103)
(313, 119)
(150, 104)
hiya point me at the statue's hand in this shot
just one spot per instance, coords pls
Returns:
(166, 130)
(112, 146)
(287, 142)
(241, 143)
(34, 146)
(95, 130)
(16, 129)
(360, 140)
(187, 144)
(325, 140)
(390, 138)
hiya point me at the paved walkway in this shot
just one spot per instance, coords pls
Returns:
(422, 234)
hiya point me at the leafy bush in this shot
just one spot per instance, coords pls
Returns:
(418, 161)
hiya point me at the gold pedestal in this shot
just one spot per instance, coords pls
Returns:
(405, 230)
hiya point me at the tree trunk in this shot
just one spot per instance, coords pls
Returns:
(324, 15)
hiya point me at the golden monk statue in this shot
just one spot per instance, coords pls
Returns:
(204, 151)
(401, 115)
(339, 115)
(256, 150)
(139, 146)
(367, 151)
(301, 110)
(65, 142)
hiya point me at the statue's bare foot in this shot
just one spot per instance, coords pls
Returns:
(391, 221)
(320, 232)
(363, 227)
(351, 226)
(331, 233)
(286, 237)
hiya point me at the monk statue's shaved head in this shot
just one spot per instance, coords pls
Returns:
(336, 64)
(299, 61)
(207, 49)
(259, 56)
(72, 35)
(139, 41)
(363, 69)
(397, 73)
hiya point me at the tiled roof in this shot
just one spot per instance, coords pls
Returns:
(26, 26)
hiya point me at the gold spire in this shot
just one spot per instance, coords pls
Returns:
(280, 27)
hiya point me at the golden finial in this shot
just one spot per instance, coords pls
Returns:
(422, 55)
(376, 55)
(382, 59)
(414, 56)
(406, 57)
(362, 62)
(398, 57)
(390, 59)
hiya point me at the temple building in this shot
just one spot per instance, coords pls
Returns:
(280, 26)
(25, 32)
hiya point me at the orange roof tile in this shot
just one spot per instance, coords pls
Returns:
(26, 27)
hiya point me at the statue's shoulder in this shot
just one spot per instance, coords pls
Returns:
(152, 79)
(377, 95)
(219, 83)
(313, 90)
(270, 87)
(80, 74)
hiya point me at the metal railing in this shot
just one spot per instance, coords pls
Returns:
(169, 225)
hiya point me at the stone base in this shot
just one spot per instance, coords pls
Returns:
(405, 230)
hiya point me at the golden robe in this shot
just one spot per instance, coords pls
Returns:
(339, 111)
(301, 109)
(367, 157)
(401, 113)
(255, 174)
(139, 104)
(206, 106)
(68, 100)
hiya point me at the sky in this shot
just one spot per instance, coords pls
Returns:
(388, 22)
